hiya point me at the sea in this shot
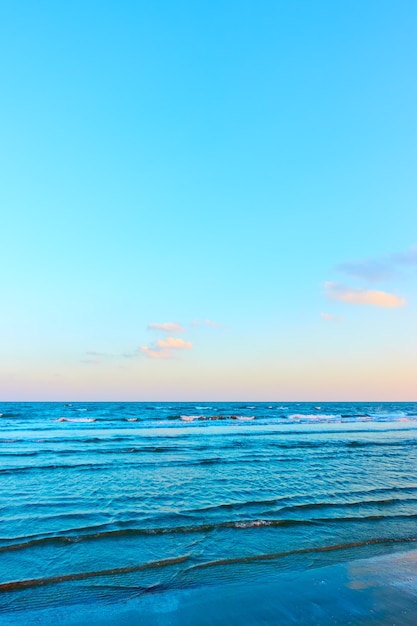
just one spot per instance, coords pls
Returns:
(169, 513)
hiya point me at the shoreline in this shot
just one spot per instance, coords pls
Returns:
(376, 590)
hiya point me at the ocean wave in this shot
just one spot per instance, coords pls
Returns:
(230, 525)
(40, 582)
(315, 416)
(191, 418)
(388, 415)
(76, 419)
(53, 466)
(19, 454)
(164, 530)
(253, 523)
(312, 550)
(312, 506)
(253, 480)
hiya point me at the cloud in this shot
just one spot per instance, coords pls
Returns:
(174, 343)
(198, 323)
(94, 353)
(91, 361)
(167, 327)
(349, 295)
(371, 270)
(406, 258)
(101, 357)
(155, 354)
(166, 348)
(380, 269)
(328, 317)
(213, 324)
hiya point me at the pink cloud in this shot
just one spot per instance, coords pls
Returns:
(166, 348)
(174, 342)
(349, 295)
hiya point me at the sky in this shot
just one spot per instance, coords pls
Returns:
(208, 201)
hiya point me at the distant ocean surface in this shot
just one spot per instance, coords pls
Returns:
(207, 513)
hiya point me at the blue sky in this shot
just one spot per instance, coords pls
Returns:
(247, 164)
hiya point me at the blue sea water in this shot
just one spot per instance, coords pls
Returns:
(206, 513)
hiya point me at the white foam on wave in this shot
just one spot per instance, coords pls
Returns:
(252, 524)
(190, 418)
(79, 419)
(314, 416)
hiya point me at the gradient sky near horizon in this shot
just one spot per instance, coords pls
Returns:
(208, 201)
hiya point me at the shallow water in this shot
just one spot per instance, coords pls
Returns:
(98, 510)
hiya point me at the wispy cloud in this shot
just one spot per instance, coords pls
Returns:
(155, 354)
(106, 356)
(328, 317)
(167, 327)
(166, 348)
(95, 353)
(380, 269)
(213, 324)
(409, 257)
(371, 270)
(91, 361)
(349, 295)
(198, 323)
